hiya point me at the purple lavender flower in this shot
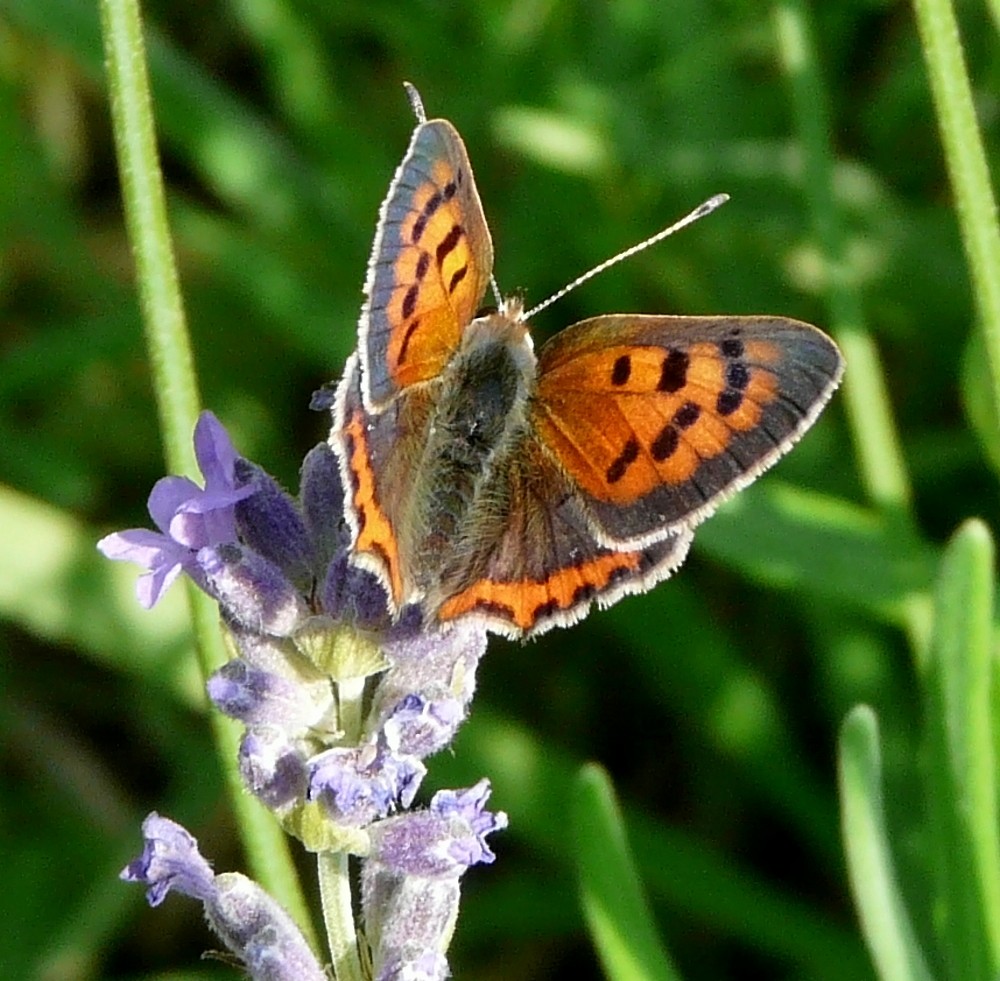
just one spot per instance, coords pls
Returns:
(444, 840)
(257, 697)
(425, 697)
(170, 860)
(309, 630)
(189, 517)
(362, 783)
(422, 727)
(248, 921)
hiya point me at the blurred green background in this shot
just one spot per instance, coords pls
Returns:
(713, 701)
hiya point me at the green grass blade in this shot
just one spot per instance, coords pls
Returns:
(611, 893)
(959, 756)
(968, 170)
(888, 931)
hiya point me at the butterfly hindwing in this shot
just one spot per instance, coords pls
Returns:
(657, 419)
(538, 565)
(429, 268)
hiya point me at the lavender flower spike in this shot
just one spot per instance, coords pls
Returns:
(189, 517)
(248, 921)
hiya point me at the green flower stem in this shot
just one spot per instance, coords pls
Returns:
(866, 397)
(350, 695)
(177, 394)
(333, 868)
(869, 412)
(885, 923)
(171, 362)
(967, 168)
(334, 873)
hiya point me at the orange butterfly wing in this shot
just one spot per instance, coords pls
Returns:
(657, 419)
(429, 268)
(539, 566)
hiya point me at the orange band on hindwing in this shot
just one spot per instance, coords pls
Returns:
(375, 534)
(524, 603)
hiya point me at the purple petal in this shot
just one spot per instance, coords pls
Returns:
(214, 452)
(159, 555)
(167, 496)
(151, 587)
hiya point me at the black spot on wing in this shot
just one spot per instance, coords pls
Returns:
(666, 443)
(448, 244)
(673, 371)
(628, 456)
(411, 327)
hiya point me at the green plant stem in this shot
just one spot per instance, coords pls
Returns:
(146, 217)
(176, 390)
(866, 397)
(967, 168)
(334, 873)
(333, 868)
(876, 440)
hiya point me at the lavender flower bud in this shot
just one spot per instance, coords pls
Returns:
(409, 923)
(354, 594)
(439, 667)
(427, 965)
(251, 590)
(258, 697)
(321, 492)
(273, 768)
(259, 931)
(270, 523)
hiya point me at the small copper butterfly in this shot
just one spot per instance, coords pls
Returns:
(485, 479)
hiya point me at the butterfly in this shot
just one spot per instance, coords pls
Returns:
(487, 479)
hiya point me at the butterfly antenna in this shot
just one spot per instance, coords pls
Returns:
(703, 209)
(416, 103)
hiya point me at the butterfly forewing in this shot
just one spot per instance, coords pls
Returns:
(430, 265)
(657, 419)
